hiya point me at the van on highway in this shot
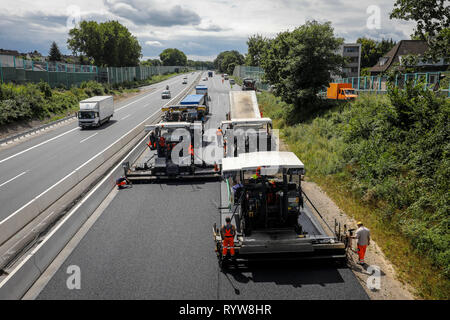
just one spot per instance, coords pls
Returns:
(95, 111)
(166, 94)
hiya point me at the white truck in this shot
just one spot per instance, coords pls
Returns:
(95, 111)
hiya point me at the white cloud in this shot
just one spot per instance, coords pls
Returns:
(201, 28)
(153, 43)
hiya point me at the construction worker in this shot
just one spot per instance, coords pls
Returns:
(191, 152)
(363, 240)
(237, 191)
(161, 146)
(227, 232)
(219, 135)
(224, 147)
(122, 182)
(257, 174)
(152, 143)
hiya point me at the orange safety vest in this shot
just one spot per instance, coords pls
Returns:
(219, 132)
(228, 232)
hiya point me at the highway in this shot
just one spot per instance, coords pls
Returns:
(29, 168)
(154, 241)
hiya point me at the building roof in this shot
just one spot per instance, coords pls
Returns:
(268, 161)
(402, 48)
(9, 52)
(247, 121)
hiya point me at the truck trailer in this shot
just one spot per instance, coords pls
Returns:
(202, 89)
(95, 111)
(245, 130)
(197, 102)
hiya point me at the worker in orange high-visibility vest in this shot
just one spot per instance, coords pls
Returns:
(228, 231)
(161, 146)
(122, 182)
(191, 151)
(219, 135)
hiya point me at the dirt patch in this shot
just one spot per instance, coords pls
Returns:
(390, 287)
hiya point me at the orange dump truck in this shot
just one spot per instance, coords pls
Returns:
(341, 91)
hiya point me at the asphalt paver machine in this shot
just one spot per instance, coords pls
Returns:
(171, 154)
(265, 201)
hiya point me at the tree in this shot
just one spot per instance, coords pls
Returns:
(432, 19)
(151, 62)
(256, 47)
(226, 61)
(173, 57)
(299, 63)
(107, 43)
(372, 51)
(200, 64)
(54, 54)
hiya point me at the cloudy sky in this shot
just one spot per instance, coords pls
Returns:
(200, 28)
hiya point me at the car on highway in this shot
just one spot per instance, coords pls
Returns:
(205, 79)
(185, 80)
(166, 94)
(232, 81)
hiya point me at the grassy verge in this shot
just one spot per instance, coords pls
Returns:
(383, 160)
(40, 102)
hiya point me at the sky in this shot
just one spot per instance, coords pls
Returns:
(200, 28)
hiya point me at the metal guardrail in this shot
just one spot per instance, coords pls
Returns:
(47, 199)
(41, 127)
(15, 285)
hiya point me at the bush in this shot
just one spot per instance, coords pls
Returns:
(394, 150)
(39, 101)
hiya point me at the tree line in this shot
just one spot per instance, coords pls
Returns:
(110, 44)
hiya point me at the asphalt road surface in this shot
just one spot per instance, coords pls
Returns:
(29, 168)
(154, 241)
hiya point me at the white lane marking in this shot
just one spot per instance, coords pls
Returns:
(183, 91)
(89, 137)
(1, 185)
(146, 96)
(64, 133)
(125, 117)
(38, 145)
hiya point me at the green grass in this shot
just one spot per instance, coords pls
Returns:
(384, 159)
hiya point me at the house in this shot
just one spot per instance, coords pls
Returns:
(35, 55)
(352, 53)
(6, 52)
(403, 48)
